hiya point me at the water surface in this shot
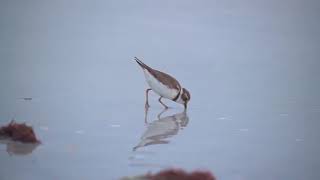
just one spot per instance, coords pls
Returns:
(67, 69)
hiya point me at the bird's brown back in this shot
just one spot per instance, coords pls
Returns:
(166, 79)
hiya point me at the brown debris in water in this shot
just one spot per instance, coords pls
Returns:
(19, 132)
(179, 174)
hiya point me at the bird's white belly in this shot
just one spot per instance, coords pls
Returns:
(160, 88)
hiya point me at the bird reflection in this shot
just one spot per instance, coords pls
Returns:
(160, 130)
(18, 148)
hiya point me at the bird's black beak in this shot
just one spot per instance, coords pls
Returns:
(185, 106)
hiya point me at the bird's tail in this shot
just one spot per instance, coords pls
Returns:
(143, 65)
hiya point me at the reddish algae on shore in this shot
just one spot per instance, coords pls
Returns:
(179, 174)
(19, 132)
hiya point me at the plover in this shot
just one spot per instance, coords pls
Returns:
(164, 85)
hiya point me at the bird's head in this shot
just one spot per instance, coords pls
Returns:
(184, 97)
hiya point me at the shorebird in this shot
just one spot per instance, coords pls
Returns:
(164, 85)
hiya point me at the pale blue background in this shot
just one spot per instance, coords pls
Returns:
(252, 68)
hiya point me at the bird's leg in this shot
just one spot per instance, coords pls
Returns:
(165, 106)
(159, 115)
(147, 103)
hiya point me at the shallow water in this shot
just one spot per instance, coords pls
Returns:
(252, 70)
